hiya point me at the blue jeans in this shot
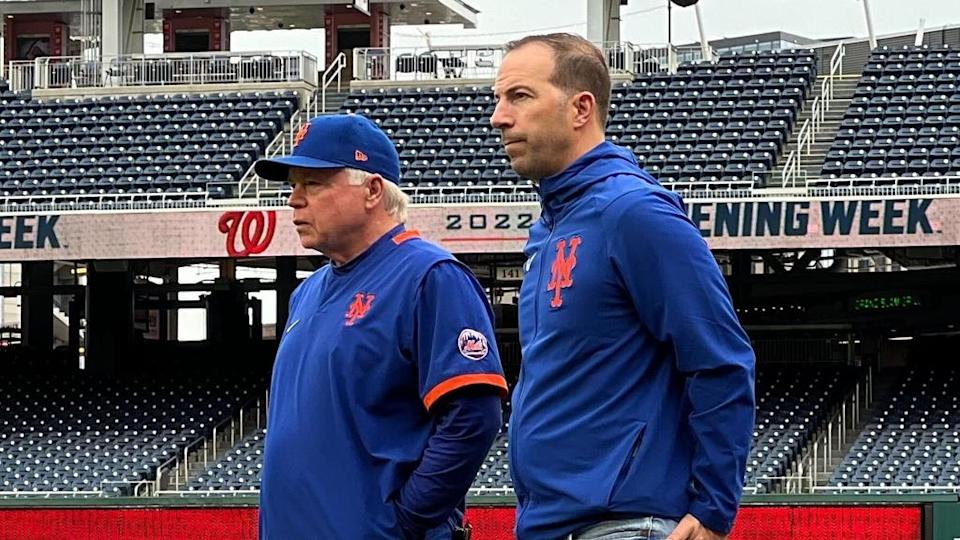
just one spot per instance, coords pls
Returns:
(648, 528)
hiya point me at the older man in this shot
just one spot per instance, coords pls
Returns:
(634, 411)
(386, 388)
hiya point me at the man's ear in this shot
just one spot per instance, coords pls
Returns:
(374, 190)
(585, 109)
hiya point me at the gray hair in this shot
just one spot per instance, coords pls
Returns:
(395, 201)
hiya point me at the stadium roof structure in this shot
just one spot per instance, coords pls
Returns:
(271, 14)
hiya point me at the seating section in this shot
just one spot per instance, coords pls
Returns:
(83, 433)
(150, 147)
(791, 405)
(239, 469)
(903, 122)
(914, 441)
(724, 123)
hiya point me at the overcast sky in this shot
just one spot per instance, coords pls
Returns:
(643, 21)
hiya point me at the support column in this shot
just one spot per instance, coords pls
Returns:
(121, 30)
(37, 307)
(330, 35)
(74, 314)
(109, 316)
(227, 319)
(603, 21)
(286, 283)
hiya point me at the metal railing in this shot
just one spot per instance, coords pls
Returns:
(171, 69)
(272, 195)
(487, 491)
(330, 75)
(788, 484)
(208, 492)
(945, 181)
(426, 63)
(482, 62)
(886, 489)
(176, 471)
(99, 201)
(251, 185)
(807, 135)
(141, 488)
(832, 438)
(50, 494)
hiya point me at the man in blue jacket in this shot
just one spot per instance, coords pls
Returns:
(634, 410)
(386, 388)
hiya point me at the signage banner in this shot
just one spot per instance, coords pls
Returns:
(726, 224)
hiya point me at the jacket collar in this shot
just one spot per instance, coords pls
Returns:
(558, 190)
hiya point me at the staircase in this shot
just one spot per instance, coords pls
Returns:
(198, 456)
(334, 102)
(882, 386)
(325, 100)
(811, 157)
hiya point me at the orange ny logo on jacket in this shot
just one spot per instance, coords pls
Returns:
(359, 308)
(561, 273)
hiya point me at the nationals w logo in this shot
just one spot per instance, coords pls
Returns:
(358, 308)
(561, 273)
(255, 228)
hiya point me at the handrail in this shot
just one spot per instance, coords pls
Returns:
(832, 437)
(250, 179)
(175, 461)
(210, 444)
(137, 484)
(48, 494)
(821, 105)
(887, 489)
(329, 75)
(163, 70)
(790, 168)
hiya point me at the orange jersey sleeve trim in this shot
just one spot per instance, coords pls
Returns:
(460, 381)
(405, 235)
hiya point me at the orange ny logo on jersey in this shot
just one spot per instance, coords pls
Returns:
(561, 273)
(358, 308)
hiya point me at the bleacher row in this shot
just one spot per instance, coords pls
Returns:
(169, 147)
(717, 125)
(903, 122)
(725, 123)
(913, 443)
(87, 434)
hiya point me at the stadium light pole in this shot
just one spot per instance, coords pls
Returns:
(704, 46)
(919, 39)
(669, 23)
(866, 12)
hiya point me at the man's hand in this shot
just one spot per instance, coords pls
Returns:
(690, 528)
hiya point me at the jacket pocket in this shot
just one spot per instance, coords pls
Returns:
(628, 460)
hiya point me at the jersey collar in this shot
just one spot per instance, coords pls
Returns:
(392, 238)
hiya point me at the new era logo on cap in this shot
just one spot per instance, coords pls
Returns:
(335, 141)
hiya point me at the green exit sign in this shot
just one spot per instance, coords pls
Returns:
(887, 302)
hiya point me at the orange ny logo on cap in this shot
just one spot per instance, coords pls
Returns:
(301, 133)
(359, 156)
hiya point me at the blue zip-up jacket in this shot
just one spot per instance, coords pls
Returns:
(636, 392)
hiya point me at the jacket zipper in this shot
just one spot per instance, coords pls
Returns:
(539, 255)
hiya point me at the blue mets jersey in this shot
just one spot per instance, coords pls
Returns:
(369, 347)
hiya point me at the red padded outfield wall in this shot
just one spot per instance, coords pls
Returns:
(490, 523)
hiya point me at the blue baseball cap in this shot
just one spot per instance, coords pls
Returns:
(336, 141)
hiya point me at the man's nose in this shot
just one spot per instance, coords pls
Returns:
(501, 117)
